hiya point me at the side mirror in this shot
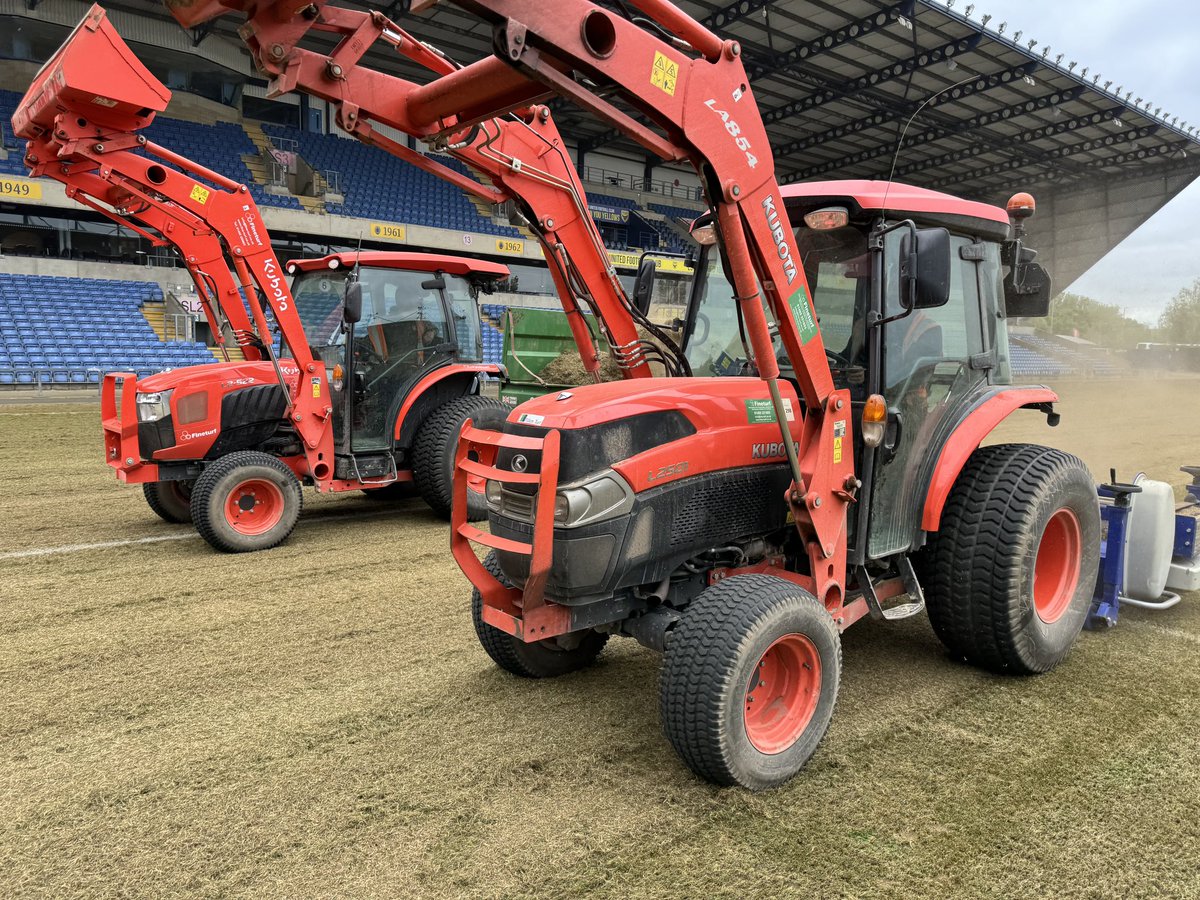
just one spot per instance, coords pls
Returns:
(925, 269)
(643, 285)
(352, 308)
(1027, 291)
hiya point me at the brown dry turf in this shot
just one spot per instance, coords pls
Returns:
(319, 721)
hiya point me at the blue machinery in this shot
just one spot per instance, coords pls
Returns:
(1148, 546)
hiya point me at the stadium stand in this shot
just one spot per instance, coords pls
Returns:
(377, 186)
(219, 147)
(1057, 357)
(73, 330)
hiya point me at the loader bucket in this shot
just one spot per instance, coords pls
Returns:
(93, 75)
(190, 13)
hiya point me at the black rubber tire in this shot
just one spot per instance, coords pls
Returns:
(392, 493)
(436, 443)
(214, 485)
(170, 500)
(544, 659)
(710, 657)
(977, 569)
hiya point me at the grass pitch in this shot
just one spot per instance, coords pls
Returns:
(318, 720)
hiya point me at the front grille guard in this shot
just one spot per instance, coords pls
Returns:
(525, 614)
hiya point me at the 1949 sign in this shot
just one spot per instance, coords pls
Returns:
(19, 187)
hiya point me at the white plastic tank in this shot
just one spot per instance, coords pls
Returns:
(1149, 540)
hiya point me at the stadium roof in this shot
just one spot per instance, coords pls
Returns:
(976, 108)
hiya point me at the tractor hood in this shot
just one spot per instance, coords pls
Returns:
(228, 376)
(706, 402)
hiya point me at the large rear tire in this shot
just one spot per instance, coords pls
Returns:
(1009, 574)
(542, 659)
(749, 681)
(170, 500)
(436, 444)
(246, 501)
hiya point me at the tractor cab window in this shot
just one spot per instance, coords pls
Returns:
(319, 297)
(466, 328)
(927, 376)
(837, 266)
(403, 330)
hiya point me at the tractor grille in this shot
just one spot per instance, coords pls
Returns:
(729, 505)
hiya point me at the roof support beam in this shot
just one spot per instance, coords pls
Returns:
(885, 117)
(1027, 137)
(872, 80)
(1141, 154)
(849, 33)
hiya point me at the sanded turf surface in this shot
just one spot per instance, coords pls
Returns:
(318, 720)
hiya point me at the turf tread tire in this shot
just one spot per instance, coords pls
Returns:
(214, 481)
(169, 500)
(977, 568)
(529, 660)
(434, 449)
(703, 671)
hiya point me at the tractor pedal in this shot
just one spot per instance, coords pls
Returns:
(904, 610)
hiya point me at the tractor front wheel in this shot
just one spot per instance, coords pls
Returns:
(170, 500)
(1009, 573)
(540, 659)
(246, 501)
(436, 444)
(749, 681)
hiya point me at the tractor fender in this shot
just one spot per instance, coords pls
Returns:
(434, 389)
(967, 437)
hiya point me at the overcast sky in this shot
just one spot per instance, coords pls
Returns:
(1153, 49)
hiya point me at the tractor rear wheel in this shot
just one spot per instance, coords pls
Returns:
(436, 444)
(246, 501)
(542, 659)
(749, 681)
(1009, 574)
(170, 500)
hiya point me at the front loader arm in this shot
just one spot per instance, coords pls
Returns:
(522, 153)
(80, 119)
(692, 86)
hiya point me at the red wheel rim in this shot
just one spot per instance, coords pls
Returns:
(485, 455)
(783, 693)
(254, 506)
(1056, 569)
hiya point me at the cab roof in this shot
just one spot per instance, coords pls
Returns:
(418, 262)
(903, 200)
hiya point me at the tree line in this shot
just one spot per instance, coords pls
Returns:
(1108, 325)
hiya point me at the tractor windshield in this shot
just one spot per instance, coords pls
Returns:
(319, 296)
(837, 266)
(402, 317)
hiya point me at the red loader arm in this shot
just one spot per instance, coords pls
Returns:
(689, 83)
(80, 118)
(521, 154)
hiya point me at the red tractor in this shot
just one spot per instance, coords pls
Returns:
(397, 338)
(822, 460)
(380, 354)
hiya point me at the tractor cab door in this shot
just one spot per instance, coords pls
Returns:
(405, 330)
(934, 365)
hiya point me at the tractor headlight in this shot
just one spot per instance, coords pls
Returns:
(599, 497)
(153, 406)
(495, 494)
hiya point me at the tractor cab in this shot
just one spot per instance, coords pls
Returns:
(912, 289)
(382, 322)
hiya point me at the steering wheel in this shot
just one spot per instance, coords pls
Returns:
(366, 353)
(840, 361)
(698, 336)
